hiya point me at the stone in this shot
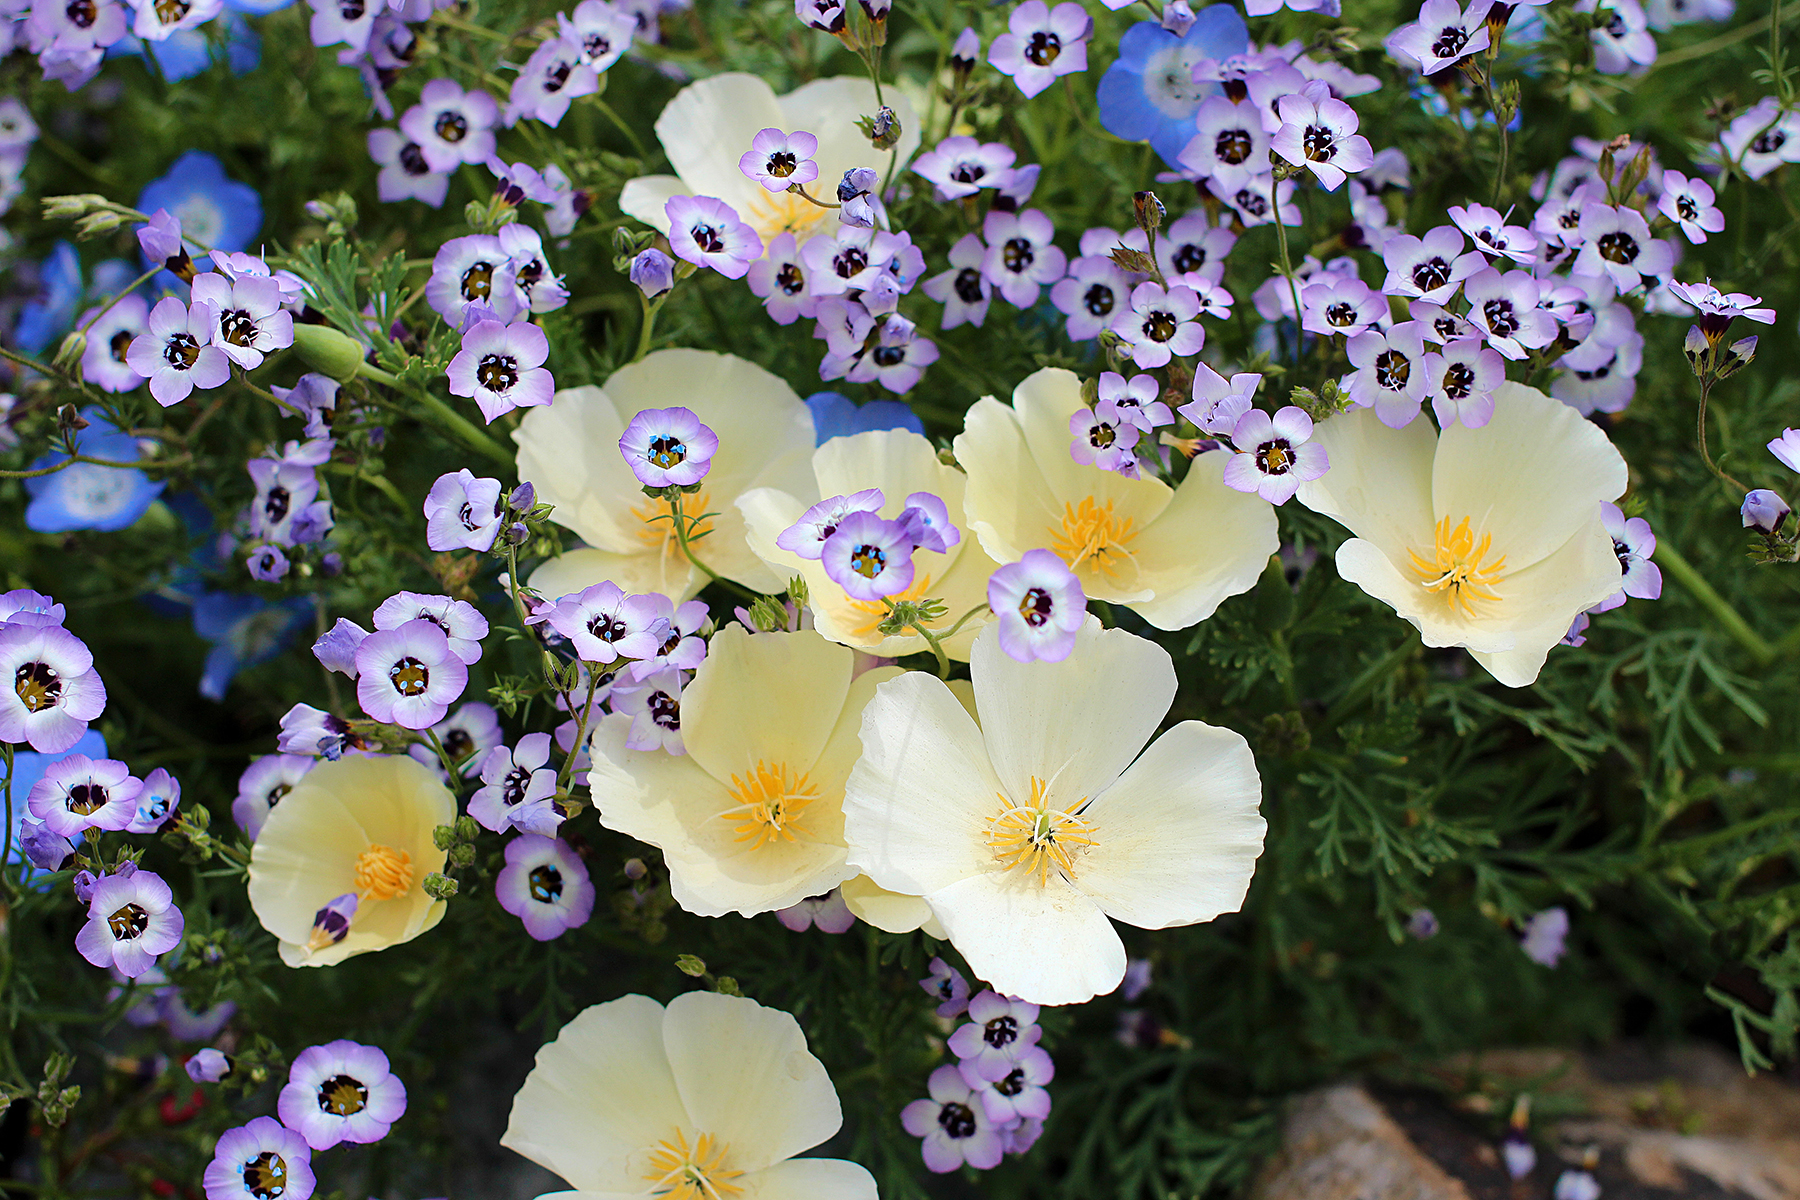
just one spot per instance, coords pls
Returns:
(1338, 1144)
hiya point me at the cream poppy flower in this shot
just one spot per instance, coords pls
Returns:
(1171, 554)
(360, 826)
(900, 463)
(709, 125)
(708, 1099)
(570, 452)
(1488, 538)
(751, 818)
(1025, 833)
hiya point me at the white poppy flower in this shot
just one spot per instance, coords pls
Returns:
(1027, 832)
(709, 125)
(569, 451)
(1171, 554)
(900, 463)
(711, 1097)
(1487, 538)
(750, 819)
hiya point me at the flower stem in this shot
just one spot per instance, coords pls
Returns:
(587, 709)
(681, 539)
(1734, 624)
(461, 426)
(1287, 269)
(1706, 387)
(648, 330)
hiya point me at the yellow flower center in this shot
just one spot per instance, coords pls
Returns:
(1037, 837)
(772, 214)
(659, 520)
(870, 613)
(1093, 534)
(1459, 567)
(771, 802)
(383, 872)
(681, 1172)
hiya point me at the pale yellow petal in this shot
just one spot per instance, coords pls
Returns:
(1210, 543)
(766, 697)
(647, 198)
(1048, 943)
(1379, 484)
(576, 570)
(1544, 599)
(709, 125)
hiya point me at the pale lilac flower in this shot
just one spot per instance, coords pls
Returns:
(262, 785)
(1178, 17)
(315, 396)
(1633, 542)
(1193, 250)
(947, 986)
(208, 1066)
(471, 270)
(1137, 979)
(518, 789)
(1091, 295)
(1544, 936)
(1104, 444)
(1259, 200)
(963, 290)
(285, 490)
(896, 362)
(467, 735)
(78, 793)
(827, 914)
(602, 31)
(109, 339)
(682, 646)
(1689, 203)
(258, 1161)
(1231, 146)
(1787, 448)
(1491, 234)
(780, 160)
(1020, 256)
(1318, 132)
(1764, 511)
(267, 564)
(953, 1124)
(22, 606)
(962, 166)
(131, 919)
(1516, 1151)
(1505, 309)
(1438, 324)
(1617, 242)
(1429, 268)
(156, 802)
(1040, 607)
(1759, 139)
(926, 519)
(462, 622)
(856, 195)
(1160, 324)
(654, 706)
(1443, 35)
(556, 74)
(1423, 923)
(342, 21)
(1219, 403)
(1624, 42)
(846, 259)
(1000, 1031)
(409, 676)
(1576, 1185)
(1273, 455)
(782, 282)
(653, 273)
(1718, 309)
(868, 557)
(1390, 373)
(342, 1091)
(404, 175)
(1137, 403)
(1015, 189)
(44, 850)
(463, 512)
(176, 353)
(966, 52)
(707, 232)
(1341, 304)
(807, 536)
(845, 326)
(159, 22)
(668, 447)
(1461, 380)
(336, 647)
(827, 16)
(451, 126)
(160, 240)
(541, 289)
(1042, 43)
(308, 730)
(55, 690)
(545, 884)
(1019, 1094)
(502, 367)
(603, 624)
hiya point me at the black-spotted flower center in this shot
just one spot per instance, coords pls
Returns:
(545, 884)
(665, 710)
(1188, 257)
(37, 685)
(790, 279)
(128, 922)
(957, 1120)
(1770, 142)
(350, 10)
(1392, 370)
(409, 676)
(1275, 457)
(275, 504)
(171, 11)
(968, 172)
(850, 262)
(1013, 1084)
(1617, 246)
(120, 343)
(1035, 606)
(1160, 325)
(1251, 203)
(868, 561)
(85, 798)
(512, 788)
(1318, 143)
(497, 372)
(458, 743)
(1233, 146)
(889, 356)
(266, 1175)
(1431, 274)
(1101, 435)
(968, 286)
(181, 351)
(238, 327)
(1001, 1032)
(1459, 381)
(1340, 314)
(1017, 255)
(478, 281)
(667, 452)
(608, 627)
(343, 1096)
(557, 76)
(781, 164)
(1686, 208)
(1043, 49)
(1450, 41)
(1500, 317)
(1099, 300)
(451, 126)
(82, 13)
(596, 45)
(709, 239)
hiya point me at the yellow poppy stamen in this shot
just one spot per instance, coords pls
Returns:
(1460, 569)
(771, 803)
(383, 873)
(1093, 534)
(1036, 836)
(681, 1172)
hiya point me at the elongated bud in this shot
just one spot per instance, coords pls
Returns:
(1695, 347)
(1149, 210)
(70, 352)
(1764, 511)
(1736, 357)
(328, 351)
(883, 129)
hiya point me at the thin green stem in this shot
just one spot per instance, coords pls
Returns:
(587, 709)
(131, 287)
(648, 330)
(6, 754)
(1287, 268)
(681, 539)
(1728, 617)
(1706, 386)
(461, 426)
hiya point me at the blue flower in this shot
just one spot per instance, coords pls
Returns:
(28, 768)
(1149, 94)
(838, 416)
(244, 630)
(213, 210)
(88, 496)
(257, 8)
(49, 314)
(186, 53)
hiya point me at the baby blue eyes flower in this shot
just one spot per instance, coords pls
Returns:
(1040, 606)
(1149, 93)
(545, 884)
(86, 495)
(870, 558)
(1041, 44)
(215, 212)
(668, 447)
(780, 160)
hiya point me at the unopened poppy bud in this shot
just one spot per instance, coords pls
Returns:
(328, 351)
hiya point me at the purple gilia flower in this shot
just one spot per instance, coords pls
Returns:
(845, 326)
(1020, 257)
(331, 924)
(654, 706)
(603, 624)
(1516, 1151)
(1012, 194)
(1040, 607)
(131, 919)
(461, 621)
(208, 1066)
(343, 21)
(258, 1161)
(1091, 295)
(780, 160)
(22, 606)
(502, 367)
(602, 31)
(668, 447)
(1633, 542)
(1438, 324)
(1193, 250)
(856, 193)
(160, 240)
(284, 491)
(1429, 268)
(467, 735)
(176, 353)
(55, 690)
(337, 646)
(451, 126)
(1107, 445)
(782, 282)
(845, 260)
(1341, 304)
(1390, 374)
(963, 290)
(1544, 936)
(1318, 132)
(1576, 1185)
(1786, 448)
(1137, 403)
(156, 802)
(315, 396)
(556, 75)
(653, 273)
(262, 785)
(541, 290)
(1764, 511)
(342, 1091)
(404, 175)
(1461, 380)
(1160, 324)
(1443, 36)
(868, 557)
(946, 985)
(267, 564)
(707, 232)
(966, 52)
(807, 536)
(1718, 309)
(409, 676)
(1423, 923)
(1273, 455)
(1259, 200)
(78, 793)
(109, 339)
(1219, 403)
(158, 22)
(1505, 309)
(1000, 1031)
(44, 850)
(827, 913)
(545, 884)
(1018, 1096)
(1491, 234)
(472, 270)
(1042, 43)
(1689, 203)
(827, 16)
(518, 789)
(1137, 979)
(926, 520)
(308, 730)
(953, 1124)
(463, 512)
(1624, 42)
(896, 362)
(682, 647)
(1231, 145)
(962, 166)
(1616, 242)
(248, 320)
